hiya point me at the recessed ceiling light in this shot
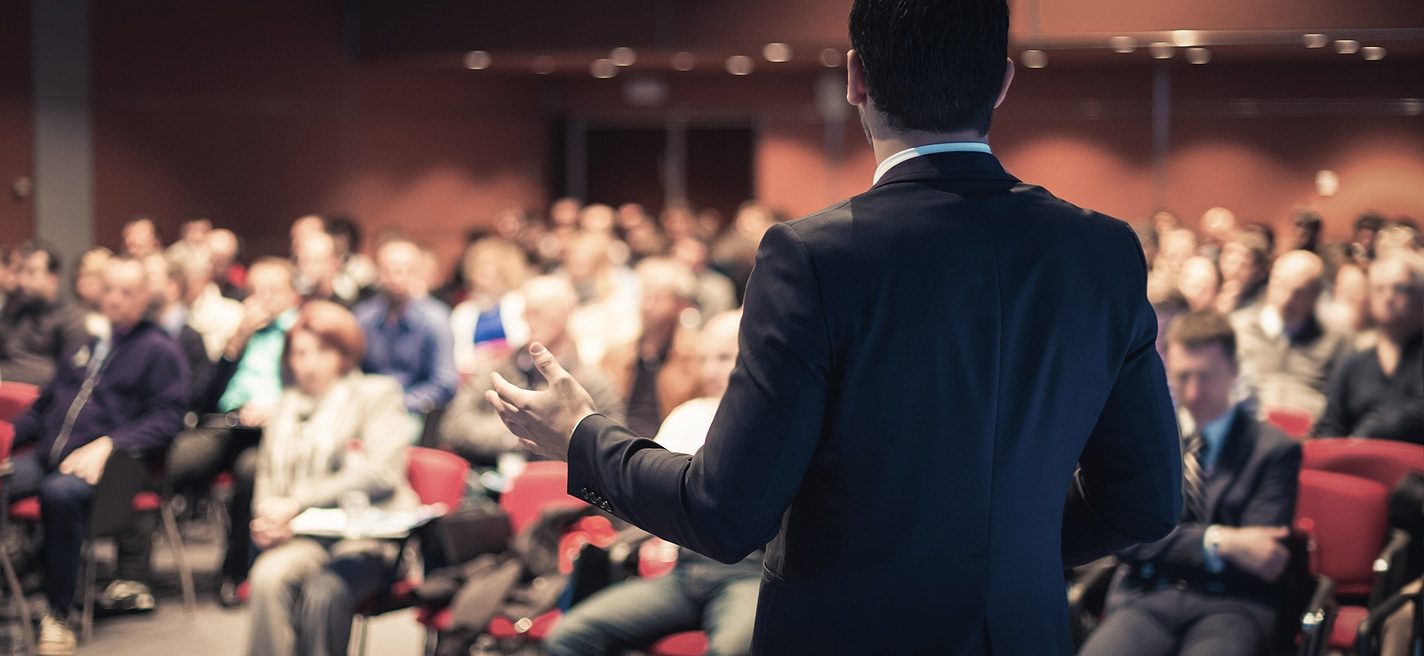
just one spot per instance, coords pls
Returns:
(1185, 38)
(1160, 50)
(777, 52)
(1372, 53)
(1198, 55)
(1122, 44)
(1034, 58)
(830, 57)
(1314, 40)
(683, 61)
(622, 56)
(740, 65)
(478, 60)
(1347, 46)
(603, 69)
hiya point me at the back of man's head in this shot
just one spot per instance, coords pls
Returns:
(932, 65)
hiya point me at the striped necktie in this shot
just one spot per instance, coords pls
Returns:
(1194, 506)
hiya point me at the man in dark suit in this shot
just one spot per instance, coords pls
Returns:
(1212, 585)
(922, 369)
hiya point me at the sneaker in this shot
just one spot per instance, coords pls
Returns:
(229, 592)
(124, 596)
(56, 638)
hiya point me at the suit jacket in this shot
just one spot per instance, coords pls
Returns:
(922, 369)
(1253, 483)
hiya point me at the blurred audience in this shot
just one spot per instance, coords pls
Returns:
(1213, 585)
(407, 332)
(38, 329)
(335, 433)
(1379, 392)
(140, 236)
(490, 320)
(608, 296)
(125, 391)
(319, 274)
(656, 371)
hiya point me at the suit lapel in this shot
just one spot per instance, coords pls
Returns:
(1234, 449)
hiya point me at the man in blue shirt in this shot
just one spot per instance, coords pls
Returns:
(407, 331)
(1212, 586)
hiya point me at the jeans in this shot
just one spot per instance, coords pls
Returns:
(197, 457)
(64, 516)
(304, 594)
(716, 598)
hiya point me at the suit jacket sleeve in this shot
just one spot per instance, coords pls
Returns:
(727, 500)
(1128, 486)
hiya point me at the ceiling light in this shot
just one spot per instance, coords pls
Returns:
(478, 60)
(830, 57)
(1198, 55)
(1314, 40)
(683, 61)
(1122, 44)
(1347, 46)
(1160, 50)
(740, 65)
(777, 52)
(603, 69)
(1185, 38)
(622, 57)
(1372, 53)
(1034, 58)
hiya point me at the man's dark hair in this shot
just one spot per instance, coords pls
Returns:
(1369, 221)
(932, 65)
(1203, 328)
(53, 261)
(340, 225)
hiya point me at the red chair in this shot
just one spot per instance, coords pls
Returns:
(1345, 517)
(1384, 461)
(1292, 422)
(7, 443)
(438, 477)
(16, 398)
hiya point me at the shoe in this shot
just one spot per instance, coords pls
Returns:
(124, 596)
(227, 593)
(56, 638)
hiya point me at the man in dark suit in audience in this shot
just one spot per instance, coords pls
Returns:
(922, 370)
(1212, 585)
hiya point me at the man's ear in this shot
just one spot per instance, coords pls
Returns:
(1008, 79)
(856, 93)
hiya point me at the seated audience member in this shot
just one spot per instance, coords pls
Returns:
(140, 235)
(167, 281)
(1379, 392)
(319, 271)
(1362, 245)
(37, 329)
(335, 432)
(355, 266)
(245, 386)
(1198, 281)
(89, 286)
(407, 332)
(735, 251)
(715, 292)
(228, 273)
(656, 371)
(1174, 247)
(490, 320)
(1347, 311)
(699, 593)
(212, 313)
(1305, 231)
(608, 295)
(1245, 263)
(1212, 586)
(131, 389)
(472, 428)
(1287, 354)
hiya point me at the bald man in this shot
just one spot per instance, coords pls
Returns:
(472, 428)
(127, 391)
(1287, 355)
(1379, 392)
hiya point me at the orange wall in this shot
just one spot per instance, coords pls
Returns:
(16, 140)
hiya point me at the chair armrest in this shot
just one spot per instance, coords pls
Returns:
(1367, 638)
(1389, 567)
(1318, 618)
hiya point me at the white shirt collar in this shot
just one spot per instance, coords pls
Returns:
(928, 149)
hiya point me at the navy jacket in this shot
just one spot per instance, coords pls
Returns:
(1253, 483)
(138, 399)
(923, 368)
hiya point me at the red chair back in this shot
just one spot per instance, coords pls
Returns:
(7, 440)
(656, 557)
(437, 476)
(1295, 423)
(15, 399)
(542, 484)
(1383, 461)
(1346, 518)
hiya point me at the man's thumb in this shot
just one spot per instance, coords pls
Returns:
(545, 361)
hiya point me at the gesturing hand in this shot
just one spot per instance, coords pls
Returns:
(546, 419)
